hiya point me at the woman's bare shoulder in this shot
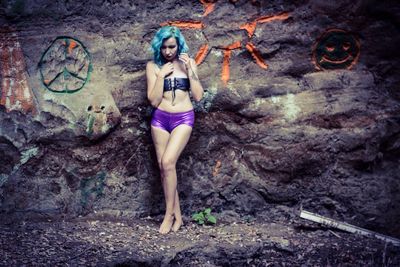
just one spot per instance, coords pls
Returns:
(152, 66)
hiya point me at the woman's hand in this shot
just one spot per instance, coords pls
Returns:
(186, 60)
(166, 69)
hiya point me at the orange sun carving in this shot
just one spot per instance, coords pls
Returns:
(250, 27)
(208, 7)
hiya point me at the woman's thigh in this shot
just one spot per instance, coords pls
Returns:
(177, 141)
(160, 139)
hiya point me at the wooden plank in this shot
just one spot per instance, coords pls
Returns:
(346, 227)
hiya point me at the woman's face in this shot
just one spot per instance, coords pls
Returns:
(169, 49)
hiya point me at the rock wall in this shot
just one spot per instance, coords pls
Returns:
(301, 108)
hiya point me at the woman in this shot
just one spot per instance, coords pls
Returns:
(170, 77)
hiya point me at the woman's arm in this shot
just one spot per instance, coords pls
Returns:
(155, 82)
(195, 85)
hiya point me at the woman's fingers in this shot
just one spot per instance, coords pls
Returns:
(184, 57)
(168, 68)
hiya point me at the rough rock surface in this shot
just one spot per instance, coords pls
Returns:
(291, 134)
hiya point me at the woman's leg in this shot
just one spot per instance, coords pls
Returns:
(176, 143)
(160, 139)
(178, 215)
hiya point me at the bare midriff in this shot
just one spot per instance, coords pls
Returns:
(181, 102)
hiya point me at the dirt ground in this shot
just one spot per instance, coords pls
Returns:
(243, 241)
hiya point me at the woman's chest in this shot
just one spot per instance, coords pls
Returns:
(179, 70)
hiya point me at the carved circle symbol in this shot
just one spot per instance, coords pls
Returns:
(65, 66)
(336, 49)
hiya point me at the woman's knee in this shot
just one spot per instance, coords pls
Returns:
(168, 164)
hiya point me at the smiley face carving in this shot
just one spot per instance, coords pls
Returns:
(336, 49)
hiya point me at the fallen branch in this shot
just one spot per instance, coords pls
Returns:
(346, 227)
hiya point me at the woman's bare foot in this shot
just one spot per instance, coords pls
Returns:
(166, 224)
(177, 224)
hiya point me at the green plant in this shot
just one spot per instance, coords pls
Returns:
(204, 216)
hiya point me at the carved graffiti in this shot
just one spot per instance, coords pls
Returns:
(14, 89)
(336, 49)
(65, 66)
(250, 27)
(217, 167)
(208, 6)
(92, 188)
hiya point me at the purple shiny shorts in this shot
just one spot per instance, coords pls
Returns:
(169, 121)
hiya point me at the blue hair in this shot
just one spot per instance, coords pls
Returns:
(163, 34)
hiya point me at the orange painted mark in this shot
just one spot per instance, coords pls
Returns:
(235, 45)
(15, 93)
(71, 46)
(217, 167)
(281, 16)
(225, 66)
(208, 7)
(184, 24)
(201, 54)
(225, 74)
(47, 82)
(256, 55)
(249, 27)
